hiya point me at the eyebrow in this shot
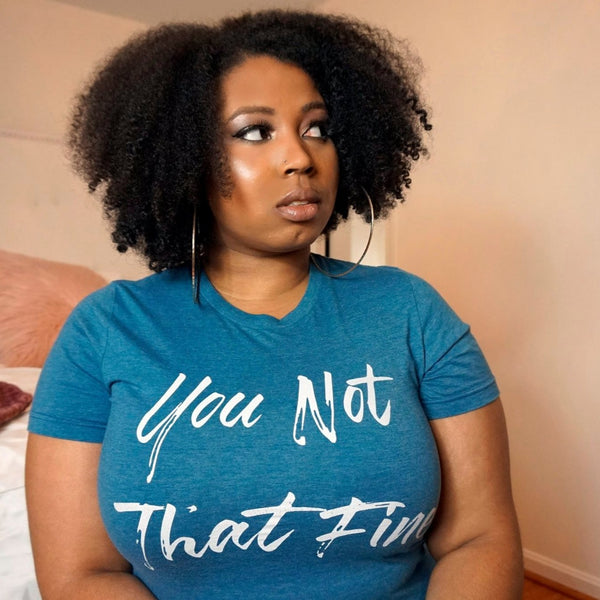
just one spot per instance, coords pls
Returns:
(313, 105)
(245, 110)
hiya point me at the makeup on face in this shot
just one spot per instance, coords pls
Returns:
(282, 163)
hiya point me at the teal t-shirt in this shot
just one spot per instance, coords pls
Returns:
(251, 457)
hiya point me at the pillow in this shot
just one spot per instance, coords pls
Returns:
(36, 297)
(13, 401)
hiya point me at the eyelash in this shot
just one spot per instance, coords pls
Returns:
(324, 125)
(262, 126)
(265, 128)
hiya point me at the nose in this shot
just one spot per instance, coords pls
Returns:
(297, 159)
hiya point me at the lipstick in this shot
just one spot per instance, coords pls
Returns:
(301, 204)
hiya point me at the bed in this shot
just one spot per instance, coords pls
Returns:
(36, 296)
(17, 578)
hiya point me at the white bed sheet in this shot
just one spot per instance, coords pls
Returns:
(17, 576)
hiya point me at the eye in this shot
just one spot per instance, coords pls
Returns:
(258, 132)
(318, 129)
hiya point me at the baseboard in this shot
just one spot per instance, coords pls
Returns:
(562, 574)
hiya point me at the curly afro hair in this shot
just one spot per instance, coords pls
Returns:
(143, 131)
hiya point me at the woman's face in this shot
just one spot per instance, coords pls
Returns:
(283, 168)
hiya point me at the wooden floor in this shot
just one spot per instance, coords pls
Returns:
(537, 591)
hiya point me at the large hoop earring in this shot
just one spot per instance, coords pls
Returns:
(195, 259)
(371, 224)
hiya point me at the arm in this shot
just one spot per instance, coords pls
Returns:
(74, 557)
(475, 537)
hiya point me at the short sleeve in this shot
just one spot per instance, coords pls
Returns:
(454, 376)
(72, 399)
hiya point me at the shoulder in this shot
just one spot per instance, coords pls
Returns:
(379, 280)
(392, 295)
(120, 293)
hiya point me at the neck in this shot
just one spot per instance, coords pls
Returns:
(272, 285)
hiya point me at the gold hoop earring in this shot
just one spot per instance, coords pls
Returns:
(195, 257)
(371, 226)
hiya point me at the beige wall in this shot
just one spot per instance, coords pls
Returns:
(47, 51)
(505, 220)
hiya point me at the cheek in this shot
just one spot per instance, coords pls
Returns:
(331, 159)
(333, 169)
(336, 169)
(244, 171)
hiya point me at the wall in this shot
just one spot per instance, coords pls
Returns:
(504, 219)
(47, 51)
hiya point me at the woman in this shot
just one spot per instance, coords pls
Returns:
(270, 430)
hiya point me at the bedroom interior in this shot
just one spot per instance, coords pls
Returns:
(502, 219)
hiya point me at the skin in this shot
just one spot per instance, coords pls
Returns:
(259, 263)
(276, 144)
(475, 537)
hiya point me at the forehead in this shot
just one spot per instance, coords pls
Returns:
(267, 81)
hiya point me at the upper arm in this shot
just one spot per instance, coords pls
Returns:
(67, 534)
(476, 498)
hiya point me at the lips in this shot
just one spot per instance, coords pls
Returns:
(299, 205)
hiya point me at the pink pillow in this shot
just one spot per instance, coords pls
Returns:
(36, 297)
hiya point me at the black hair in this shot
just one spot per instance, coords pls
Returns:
(143, 132)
